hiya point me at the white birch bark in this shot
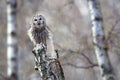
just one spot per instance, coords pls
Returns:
(101, 48)
(12, 47)
(49, 68)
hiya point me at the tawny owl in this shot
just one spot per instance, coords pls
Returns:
(38, 32)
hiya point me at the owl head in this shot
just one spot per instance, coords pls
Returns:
(39, 21)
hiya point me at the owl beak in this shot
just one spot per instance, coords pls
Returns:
(38, 23)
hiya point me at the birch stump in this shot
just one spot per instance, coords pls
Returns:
(100, 46)
(46, 59)
(12, 47)
(49, 68)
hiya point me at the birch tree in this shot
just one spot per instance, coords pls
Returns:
(12, 46)
(100, 46)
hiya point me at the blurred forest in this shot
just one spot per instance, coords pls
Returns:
(70, 24)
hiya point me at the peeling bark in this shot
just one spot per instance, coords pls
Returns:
(49, 68)
(12, 47)
(100, 46)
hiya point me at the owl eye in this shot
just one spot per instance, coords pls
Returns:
(35, 19)
(40, 19)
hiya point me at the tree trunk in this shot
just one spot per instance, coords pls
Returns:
(100, 46)
(12, 47)
(47, 61)
(49, 68)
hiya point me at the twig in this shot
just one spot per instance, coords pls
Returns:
(82, 67)
(112, 29)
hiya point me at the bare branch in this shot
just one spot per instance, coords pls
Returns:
(89, 61)
(80, 53)
(112, 29)
(82, 67)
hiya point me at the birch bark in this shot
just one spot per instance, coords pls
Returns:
(49, 68)
(12, 47)
(100, 46)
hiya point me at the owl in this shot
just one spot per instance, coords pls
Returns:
(38, 31)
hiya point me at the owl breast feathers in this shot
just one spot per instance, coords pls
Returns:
(37, 36)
